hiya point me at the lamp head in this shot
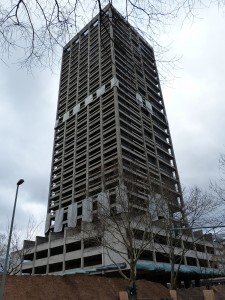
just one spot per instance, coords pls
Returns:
(20, 182)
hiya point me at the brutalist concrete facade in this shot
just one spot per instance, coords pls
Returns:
(110, 120)
(110, 111)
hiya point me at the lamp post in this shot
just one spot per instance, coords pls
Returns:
(9, 242)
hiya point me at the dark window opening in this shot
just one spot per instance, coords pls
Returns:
(56, 250)
(73, 246)
(200, 247)
(79, 211)
(176, 242)
(146, 255)
(160, 239)
(93, 260)
(28, 256)
(178, 259)
(73, 264)
(55, 267)
(27, 271)
(188, 245)
(191, 261)
(41, 254)
(210, 250)
(162, 257)
(40, 270)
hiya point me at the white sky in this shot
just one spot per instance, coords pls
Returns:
(194, 103)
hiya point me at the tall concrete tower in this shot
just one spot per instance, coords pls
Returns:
(110, 123)
(110, 113)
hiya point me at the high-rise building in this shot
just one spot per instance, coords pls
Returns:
(110, 112)
(110, 122)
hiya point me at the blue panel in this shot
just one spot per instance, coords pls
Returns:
(165, 267)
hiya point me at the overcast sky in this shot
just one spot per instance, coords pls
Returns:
(194, 102)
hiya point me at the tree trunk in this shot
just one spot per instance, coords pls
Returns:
(132, 286)
(173, 279)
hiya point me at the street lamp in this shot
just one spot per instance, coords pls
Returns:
(9, 242)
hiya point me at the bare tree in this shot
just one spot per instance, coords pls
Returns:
(16, 252)
(124, 225)
(133, 220)
(218, 188)
(199, 209)
(35, 29)
(3, 246)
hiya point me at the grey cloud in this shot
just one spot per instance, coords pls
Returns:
(195, 108)
(27, 114)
